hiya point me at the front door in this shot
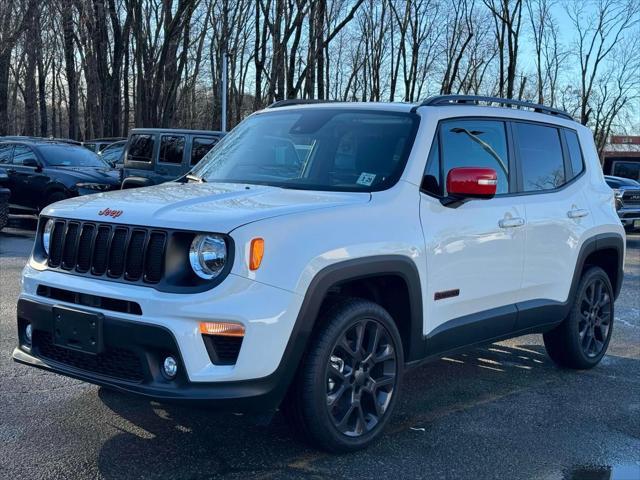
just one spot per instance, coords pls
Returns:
(475, 252)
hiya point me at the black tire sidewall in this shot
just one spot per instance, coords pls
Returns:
(338, 320)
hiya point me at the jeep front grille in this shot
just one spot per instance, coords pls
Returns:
(114, 251)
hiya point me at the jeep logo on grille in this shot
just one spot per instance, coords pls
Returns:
(107, 212)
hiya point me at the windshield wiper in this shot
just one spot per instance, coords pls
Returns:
(195, 178)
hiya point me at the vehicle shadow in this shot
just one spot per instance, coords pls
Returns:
(181, 442)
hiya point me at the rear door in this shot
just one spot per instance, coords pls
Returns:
(475, 252)
(171, 156)
(550, 165)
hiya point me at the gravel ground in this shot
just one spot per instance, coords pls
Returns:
(503, 412)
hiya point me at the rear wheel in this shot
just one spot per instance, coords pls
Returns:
(348, 384)
(581, 340)
(4, 214)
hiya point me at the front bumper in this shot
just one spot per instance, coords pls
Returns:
(131, 360)
(628, 215)
(268, 314)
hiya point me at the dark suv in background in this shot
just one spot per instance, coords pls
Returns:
(627, 194)
(41, 172)
(156, 155)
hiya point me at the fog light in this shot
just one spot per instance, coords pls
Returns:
(170, 367)
(28, 333)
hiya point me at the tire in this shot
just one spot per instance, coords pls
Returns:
(581, 340)
(4, 214)
(335, 370)
(53, 198)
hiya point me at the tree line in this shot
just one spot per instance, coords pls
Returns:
(92, 68)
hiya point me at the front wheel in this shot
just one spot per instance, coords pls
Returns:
(348, 384)
(581, 340)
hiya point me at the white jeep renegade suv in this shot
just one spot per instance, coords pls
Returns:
(321, 249)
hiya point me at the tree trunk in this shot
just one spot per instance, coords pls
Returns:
(70, 67)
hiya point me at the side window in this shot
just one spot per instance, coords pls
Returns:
(140, 148)
(575, 154)
(200, 147)
(171, 149)
(5, 153)
(469, 143)
(23, 156)
(540, 154)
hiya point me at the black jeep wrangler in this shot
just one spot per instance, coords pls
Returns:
(158, 155)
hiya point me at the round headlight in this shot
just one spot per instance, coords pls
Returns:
(46, 235)
(207, 255)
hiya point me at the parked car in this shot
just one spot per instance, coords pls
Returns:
(42, 172)
(99, 144)
(156, 155)
(34, 138)
(114, 154)
(5, 193)
(627, 195)
(320, 250)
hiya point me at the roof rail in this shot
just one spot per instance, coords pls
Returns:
(442, 100)
(297, 101)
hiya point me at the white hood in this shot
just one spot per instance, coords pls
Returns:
(215, 207)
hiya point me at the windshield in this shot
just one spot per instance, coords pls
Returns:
(315, 149)
(70, 156)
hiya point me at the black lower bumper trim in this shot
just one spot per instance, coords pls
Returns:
(150, 343)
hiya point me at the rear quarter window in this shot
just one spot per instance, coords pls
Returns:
(575, 153)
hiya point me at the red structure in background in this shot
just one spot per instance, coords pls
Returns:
(621, 156)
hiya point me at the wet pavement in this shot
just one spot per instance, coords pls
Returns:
(503, 411)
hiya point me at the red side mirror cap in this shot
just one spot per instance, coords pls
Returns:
(472, 182)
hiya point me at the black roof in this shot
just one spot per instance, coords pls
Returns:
(26, 139)
(105, 140)
(177, 130)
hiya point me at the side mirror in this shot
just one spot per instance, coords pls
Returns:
(466, 183)
(31, 162)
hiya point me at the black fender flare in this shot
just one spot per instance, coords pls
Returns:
(603, 241)
(348, 270)
(136, 182)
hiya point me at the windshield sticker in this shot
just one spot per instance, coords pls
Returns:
(366, 179)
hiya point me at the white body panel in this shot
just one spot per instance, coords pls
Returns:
(468, 251)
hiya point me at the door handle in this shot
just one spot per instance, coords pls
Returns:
(11, 170)
(511, 222)
(577, 213)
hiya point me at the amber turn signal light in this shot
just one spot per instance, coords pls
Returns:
(223, 329)
(256, 252)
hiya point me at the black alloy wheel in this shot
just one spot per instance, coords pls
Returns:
(361, 377)
(596, 317)
(349, 381)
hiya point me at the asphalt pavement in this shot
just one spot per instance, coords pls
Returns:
(499, 412)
